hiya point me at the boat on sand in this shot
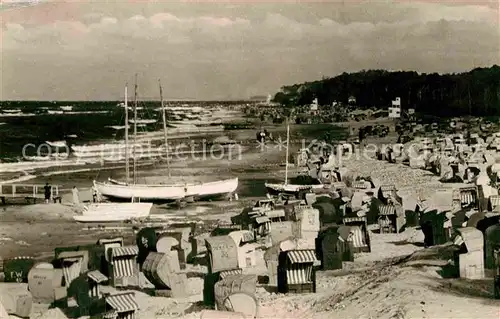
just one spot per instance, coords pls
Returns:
(119, 190)
(293, 188)
(113, 212)
(178, 191)
(147, 192)
(296, 186)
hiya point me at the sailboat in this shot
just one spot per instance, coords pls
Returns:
(125, 190)
(300, 184)
(114, 212)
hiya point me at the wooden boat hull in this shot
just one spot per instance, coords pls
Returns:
(143, 192)
(212, 189)
(57, 144)
(113, 212)
(196, 190)
(103, 219)
(276, 189)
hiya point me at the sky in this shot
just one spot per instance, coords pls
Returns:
(206, 50)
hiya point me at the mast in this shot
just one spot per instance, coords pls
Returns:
(127, 155)
(135, 129)
(287, 146)
(165, 133)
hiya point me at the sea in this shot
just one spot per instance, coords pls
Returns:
(89, 121)
(25, 123)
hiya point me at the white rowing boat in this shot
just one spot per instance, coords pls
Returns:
(112, 212)
(275, 189)
(211, 189)
(66, 108)
(11, 111)
(142, 121)
(144, 192)
(198, 190)
(57, 144)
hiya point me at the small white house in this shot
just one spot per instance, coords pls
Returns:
(269, 99)
(395, 109)
(395, 112)
(396, 102)
(314, 105)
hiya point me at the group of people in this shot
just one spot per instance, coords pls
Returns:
(263, 136)
(76, 195)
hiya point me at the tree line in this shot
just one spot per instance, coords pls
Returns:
(476, 92)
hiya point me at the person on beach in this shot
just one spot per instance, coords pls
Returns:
(361, 135)
(48, 190)
(76, 197)
(94, 194)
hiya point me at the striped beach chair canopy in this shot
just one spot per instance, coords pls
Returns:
(468, 195)
(111, 314)
(361, 184)
(124, 251)
(354, 220)
(225, 273)
(96, 276)
(359, 237)
(494, 201)
(386, 210)
(122, 302)
(388, 188)
(242, 236)
(302, 256)
(261, 219)
(72, 255)
(104, 241)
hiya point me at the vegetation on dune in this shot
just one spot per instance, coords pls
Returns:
(476, 92)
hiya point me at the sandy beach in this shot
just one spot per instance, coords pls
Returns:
(254, 103)
(390, 282)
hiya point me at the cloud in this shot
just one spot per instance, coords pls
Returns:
(220, 53)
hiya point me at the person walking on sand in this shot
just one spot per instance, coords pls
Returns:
(48, 190)
(361, 135)
(76, 197)
(94, 194)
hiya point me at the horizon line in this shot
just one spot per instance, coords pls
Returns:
(131, 101)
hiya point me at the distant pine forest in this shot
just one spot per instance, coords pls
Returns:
(475, 93)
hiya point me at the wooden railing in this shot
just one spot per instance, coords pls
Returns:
(27, 190)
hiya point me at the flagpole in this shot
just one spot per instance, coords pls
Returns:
(287, 146)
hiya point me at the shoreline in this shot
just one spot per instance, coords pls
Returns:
(244, 138)
(370, 275)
